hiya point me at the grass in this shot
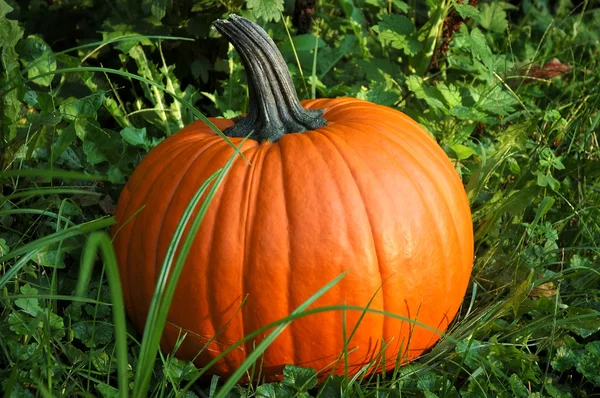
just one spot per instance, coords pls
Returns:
(79, 111)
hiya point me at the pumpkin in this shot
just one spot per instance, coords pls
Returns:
(329, 185)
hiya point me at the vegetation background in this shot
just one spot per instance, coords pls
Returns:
(511, 90)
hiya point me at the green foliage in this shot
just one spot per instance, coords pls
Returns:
(511, 93)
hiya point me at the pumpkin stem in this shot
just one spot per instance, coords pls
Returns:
(274, 108)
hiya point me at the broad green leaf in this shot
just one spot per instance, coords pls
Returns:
(381, 92)
(564, 359)
(399, 32)
(462, 151)
(422, 91)
(301, 378)
(276, 390)
(302, 43)
(66, 137)
(136, 137)
(50, 258)
(107, 391)
(476, 43)
(493, 16)
(29, 305)
(86, 106)
(10, 34)
(38, 57)
(98, 144)
(157, 8)
(269, 10)
(30, 97)
(103, 362)
(450, 93)
(518, 388)
(589, 362)
(543, 208)
(583, 321)
(468, 11)
(92, 333)
(178, 370)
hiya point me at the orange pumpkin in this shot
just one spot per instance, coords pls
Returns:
(333, 185)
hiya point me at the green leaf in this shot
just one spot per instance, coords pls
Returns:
(136, 137)
(275, 390)
(462, 151)
(269, 10)
(301, 378)
(38, 57)
(399, 32)
(450, 93)
(468, 11)
(564, 359)
(477, 45)
(29, 305)
(50, 258)
(583, 321)
(333, 387)
(546, 179)
(20, 324)
(107, 391)
(103, 362)
(381, 92)
(66, 137)
(493, 17)
(422, 91)
(93, 334)
(86, 106)
(115, 175)
(10, 34)
(589, 363)
(543, 208)
(30, 98)
(157, 8)
(518, 388)
(98, 145)
(177, 370)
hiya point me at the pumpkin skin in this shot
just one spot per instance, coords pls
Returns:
(370, 193)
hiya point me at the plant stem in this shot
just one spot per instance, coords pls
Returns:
(274, 108)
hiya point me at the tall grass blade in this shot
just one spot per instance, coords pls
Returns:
(99, 240)
(167, 280)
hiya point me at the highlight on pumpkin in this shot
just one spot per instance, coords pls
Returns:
(241, 261)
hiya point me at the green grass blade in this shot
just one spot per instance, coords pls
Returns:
(49, 191)
(263, 345)
(54, 173)
(100, 240)
(165, 289)
(18, 266)
(80, 229)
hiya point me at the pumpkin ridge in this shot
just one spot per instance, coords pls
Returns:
(324, 132)
(368, 215)
(441, 194)
(253, 189)
(138, 266)
(289, 284)
(213, 263)
(166, 233)
(417, 187)
(410, 147)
